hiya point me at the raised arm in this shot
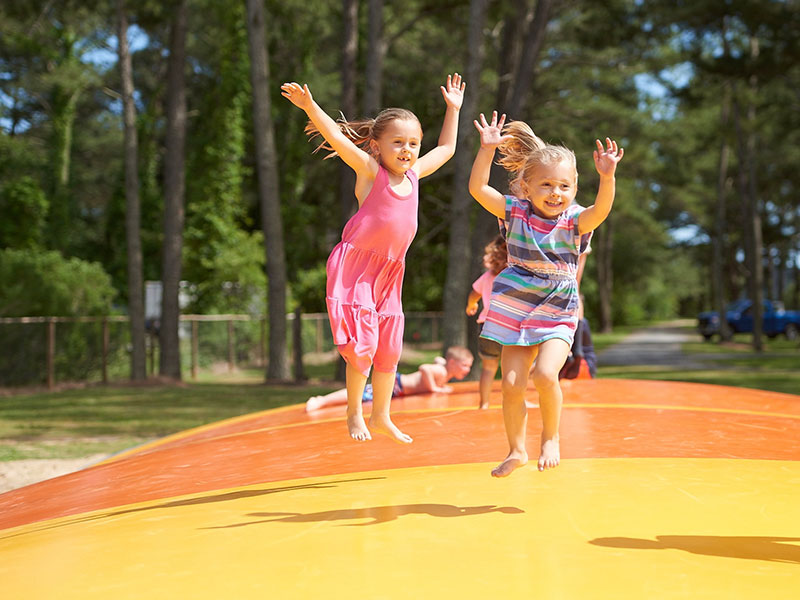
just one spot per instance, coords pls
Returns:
(453, 94)
(479, 187)
(605, 160)
(358, 160)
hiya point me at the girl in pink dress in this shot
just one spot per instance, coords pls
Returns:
(365, 270)
(495, 259)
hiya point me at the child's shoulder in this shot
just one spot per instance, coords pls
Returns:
(573, 210)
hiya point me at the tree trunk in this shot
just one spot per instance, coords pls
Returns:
(514, 84)
(745, 142)
(755, 212)
(376, 48)
(603, 245)
(526, 71)
(720, 226)
(174, 191)
(347, 178)
(65, 104)
(132, 205)
(457, 282)
(268, 191)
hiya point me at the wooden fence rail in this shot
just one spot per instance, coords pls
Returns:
(320, 321)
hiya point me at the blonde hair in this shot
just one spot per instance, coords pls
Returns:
(458, 353)
(525, 151)
(498, 254)
(362, 131)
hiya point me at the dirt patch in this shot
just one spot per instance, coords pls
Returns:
(18, 473)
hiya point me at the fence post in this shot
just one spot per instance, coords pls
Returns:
(51, 353)
(231, 357)
(297, 330)
(195, 348)
(263, 346)
(152, 351)
(105, 349)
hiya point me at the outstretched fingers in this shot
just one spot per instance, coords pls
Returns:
(611, 148)
(296, 94)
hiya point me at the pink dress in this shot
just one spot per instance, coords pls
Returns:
(365, 277)
(483, 286)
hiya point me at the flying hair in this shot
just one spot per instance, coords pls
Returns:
(525, 150)
(361, 131)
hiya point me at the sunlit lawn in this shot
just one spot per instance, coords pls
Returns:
(108, 419)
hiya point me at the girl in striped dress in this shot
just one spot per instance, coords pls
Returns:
(534, 308)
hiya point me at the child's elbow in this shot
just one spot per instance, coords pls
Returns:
(475, 188)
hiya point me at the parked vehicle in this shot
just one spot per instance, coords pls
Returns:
(739, 314)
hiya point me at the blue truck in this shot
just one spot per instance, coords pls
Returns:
(777, 320)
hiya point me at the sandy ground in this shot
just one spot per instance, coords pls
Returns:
(18, 473)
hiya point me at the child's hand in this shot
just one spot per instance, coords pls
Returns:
(454, 92)
(299, 96)
(605, 160)
(472, 308)
(491, 132)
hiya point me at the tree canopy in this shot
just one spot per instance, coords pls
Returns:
(656, 75)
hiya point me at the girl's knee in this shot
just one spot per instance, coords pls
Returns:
(514, 383)
(544, 377)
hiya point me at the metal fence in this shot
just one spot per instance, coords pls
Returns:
(48, 350)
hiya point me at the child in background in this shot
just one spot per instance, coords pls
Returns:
(582, 360)
(534, 306)
(495, 259)
(365, 270)
(428, 378)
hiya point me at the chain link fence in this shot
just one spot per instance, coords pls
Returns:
(38, 351)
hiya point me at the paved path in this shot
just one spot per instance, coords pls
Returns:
(657, 345)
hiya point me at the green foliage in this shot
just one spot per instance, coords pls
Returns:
(650, 74)
(309, 288)
(223, 257)
(36, 283)
(45, 283)
(24, 209)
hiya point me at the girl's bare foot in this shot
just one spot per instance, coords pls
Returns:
(358, 429)
(551, 454)
(314, 403)
(483, 406)
(385, 426)
(513, 461)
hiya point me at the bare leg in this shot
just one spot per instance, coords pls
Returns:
(516, 363)
(552, 355)
(335, 398)
(488, 370)
(355, 393)
(379, 420)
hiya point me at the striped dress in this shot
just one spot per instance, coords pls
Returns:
(535, 298)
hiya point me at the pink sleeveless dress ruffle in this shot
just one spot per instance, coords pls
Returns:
(365, 277)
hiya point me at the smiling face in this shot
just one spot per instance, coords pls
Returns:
(397, 147)
(551, 188)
